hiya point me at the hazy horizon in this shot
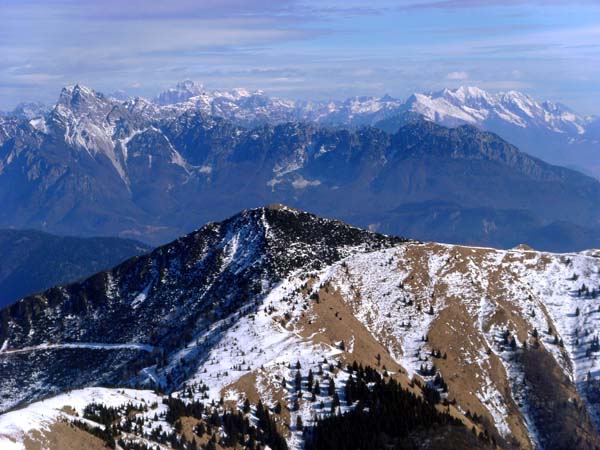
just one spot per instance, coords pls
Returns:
(302, 49)
(153, 95)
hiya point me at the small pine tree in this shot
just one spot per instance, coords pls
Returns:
(331, 387)
(336, 400)
(299, 424)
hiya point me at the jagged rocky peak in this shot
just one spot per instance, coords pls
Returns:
(78, 97)
(86, 112)
(184, 90)
(468, 104)
(466, 93)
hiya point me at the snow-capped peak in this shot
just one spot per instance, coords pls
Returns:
(466, 93)
(75, 92)
(80, 100)
(183, 91)
(468, 104)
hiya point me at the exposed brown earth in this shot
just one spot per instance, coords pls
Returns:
(63, 436)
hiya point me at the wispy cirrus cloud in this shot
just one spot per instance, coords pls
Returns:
(462, 4)
(458, 76)
(300, 48)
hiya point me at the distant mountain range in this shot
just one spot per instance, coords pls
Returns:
(318, 323)
(548, 130)
(95, 165)
(33, 261)
(29, 110)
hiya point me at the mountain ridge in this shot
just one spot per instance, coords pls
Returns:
(130, 169)
(309, 289)
(34, 261)
(462, 105)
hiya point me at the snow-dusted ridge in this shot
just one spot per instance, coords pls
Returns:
(465, 104)
(15, 426)
(320, 295)
(475, 106)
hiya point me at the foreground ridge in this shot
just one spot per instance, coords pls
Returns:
(282, 318)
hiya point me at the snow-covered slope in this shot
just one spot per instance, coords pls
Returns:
(137, 309)
(469, 304)
(35, 423)
(257, 306)
(477, 107)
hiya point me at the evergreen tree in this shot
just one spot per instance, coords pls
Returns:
(331, 387)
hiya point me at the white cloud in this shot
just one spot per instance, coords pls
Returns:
(301, 183)
(461, 76)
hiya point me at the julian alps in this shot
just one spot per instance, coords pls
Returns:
(98, 166)
(548, 130)
(449, 107)
(504, 340)
(29, 110)
(252, 108)
(240, 106)
(475, 106)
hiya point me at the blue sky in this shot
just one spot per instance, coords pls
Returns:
(308, 49)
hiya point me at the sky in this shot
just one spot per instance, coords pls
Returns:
(302, 49)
